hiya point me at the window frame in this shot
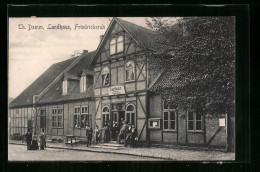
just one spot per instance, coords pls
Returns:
(113, 44)
(194, 120)
(105, 114)
(65, 87)
(83, 83)
(131, 112)
(169, 110)
(57, 113)
(128, 68)
(103, 76)
(116, 45)
(78, 114)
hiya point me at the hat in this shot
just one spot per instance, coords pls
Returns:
(124, 122)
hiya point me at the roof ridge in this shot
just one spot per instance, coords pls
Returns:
(136, 25)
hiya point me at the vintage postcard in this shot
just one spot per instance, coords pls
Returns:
(121, 89)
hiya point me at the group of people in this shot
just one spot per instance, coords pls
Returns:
(115, 133)
(128, 132)
(32, 140)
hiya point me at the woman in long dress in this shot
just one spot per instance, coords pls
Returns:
(34, 142)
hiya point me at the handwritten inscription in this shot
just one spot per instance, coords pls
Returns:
(60, 27)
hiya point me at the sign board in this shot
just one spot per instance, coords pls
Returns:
(155, 123)
(222, 122)
(116, 90)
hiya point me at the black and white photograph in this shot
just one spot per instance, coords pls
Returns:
(121, 88)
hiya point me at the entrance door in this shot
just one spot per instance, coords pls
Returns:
(119, 117)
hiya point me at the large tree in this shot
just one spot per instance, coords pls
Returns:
(202, 51)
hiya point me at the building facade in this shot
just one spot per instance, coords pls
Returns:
(117, 82)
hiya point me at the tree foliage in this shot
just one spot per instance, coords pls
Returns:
(202, 51)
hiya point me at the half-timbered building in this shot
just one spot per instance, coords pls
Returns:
(120, 81)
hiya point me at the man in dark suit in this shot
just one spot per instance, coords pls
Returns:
(28, 138)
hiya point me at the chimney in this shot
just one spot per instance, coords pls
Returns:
(101, 37)
(85, 51)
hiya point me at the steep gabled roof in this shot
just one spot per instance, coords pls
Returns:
(43, 81)
(83, 63)
(147, 38)
(54, 94)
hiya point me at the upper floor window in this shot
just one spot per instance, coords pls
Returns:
(130, 71)
(64, 87)
(194, 121)
(83, 83)
(169, 116)
(117, 45)
(105, 76)
(120, 44)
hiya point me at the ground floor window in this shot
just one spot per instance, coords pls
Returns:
(130, 114)
(81, 117)
(194, 121)
(169, 116)
(105, 115)
(57, 117)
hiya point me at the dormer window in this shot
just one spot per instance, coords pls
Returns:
(105, 76)
(130, 71)
(83, 83)
(65, 87)
(117, 45)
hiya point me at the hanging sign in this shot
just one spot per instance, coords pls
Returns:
(116, 90)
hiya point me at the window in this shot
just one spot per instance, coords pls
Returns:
(42, 118)
(81, 117)
(194, 121)
(130, 114)
(169, 116)
(57, 117)
(84, 109)
(83, 83)
(130, 71)
(105, 114)
(113, 46)
(64, 87)
(120, 44)
(105, 76)
(117, 45)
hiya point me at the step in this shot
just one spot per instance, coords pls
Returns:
(111, 145)
(107, 147)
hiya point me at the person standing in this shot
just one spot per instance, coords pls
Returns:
(122, 131)
(34, 142)
(128, 134)
(89, 133)
(114, 130)
(42, 139)
(28, 138)
(107, 132)
(97, 133)
(133, 138)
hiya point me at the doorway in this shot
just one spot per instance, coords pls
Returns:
(118, 117)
